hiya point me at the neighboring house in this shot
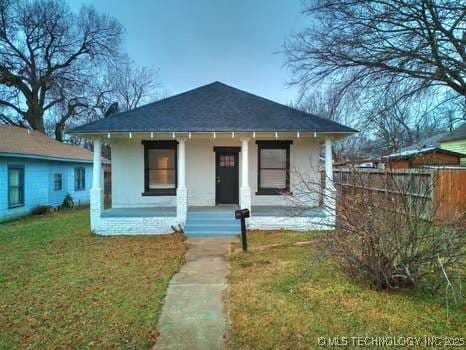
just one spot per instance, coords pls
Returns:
(456, 142)
(193, 158)
(418, 158)
(38, 171)
(369, 163)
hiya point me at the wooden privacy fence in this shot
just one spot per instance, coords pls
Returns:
(441, 190)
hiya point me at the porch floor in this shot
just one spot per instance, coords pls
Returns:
(139, 212)
(281, 211)
(263, 210)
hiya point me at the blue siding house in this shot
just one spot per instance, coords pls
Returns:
(38, 171)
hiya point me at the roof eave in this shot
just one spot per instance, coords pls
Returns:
(44, 157)
(148, 131)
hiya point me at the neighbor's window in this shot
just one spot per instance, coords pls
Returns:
(15, 186)
(274, 167)
(57, 182)
(79, 179)
(160, 167)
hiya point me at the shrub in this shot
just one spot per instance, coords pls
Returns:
(388, 236)
(41, 210)
(391, 239)
(68, 202)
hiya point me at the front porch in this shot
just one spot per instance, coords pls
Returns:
(215, 220)
(257, 210)
(183, 182)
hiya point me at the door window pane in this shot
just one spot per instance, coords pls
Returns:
(227, 161)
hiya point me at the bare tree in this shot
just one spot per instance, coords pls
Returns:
(46, 51)
(402, 122)
(123, 86)
(330, 103)
(132, 86)
(414, 44)
(404, 62)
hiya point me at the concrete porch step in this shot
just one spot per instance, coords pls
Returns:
(212, 216)
(211, 224)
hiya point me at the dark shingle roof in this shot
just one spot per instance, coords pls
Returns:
(213, 107)
(458, 134)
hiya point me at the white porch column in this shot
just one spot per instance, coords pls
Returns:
(329, 192)
(181, 191)
(97, 198)
(245, 191)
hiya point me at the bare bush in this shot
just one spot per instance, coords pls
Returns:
(388, 236)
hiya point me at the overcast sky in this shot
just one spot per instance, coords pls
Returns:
(195, 42)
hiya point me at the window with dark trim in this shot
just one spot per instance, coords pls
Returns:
(57, 182)
(15, 186)
(160, 168)
(273, 173)
(79, 179)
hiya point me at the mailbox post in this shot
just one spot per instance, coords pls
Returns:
(243, 214)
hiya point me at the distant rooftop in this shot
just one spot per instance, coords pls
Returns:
(24, 142)
(416, 152)
(458, 134)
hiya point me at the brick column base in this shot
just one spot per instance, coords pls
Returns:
(97, 206)
(245, 198)
(181, 205)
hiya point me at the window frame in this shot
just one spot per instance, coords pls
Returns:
(163, 145)
(55, 183)
(22, 182)
(273, 145)
(76, 188)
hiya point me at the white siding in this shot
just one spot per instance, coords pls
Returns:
(128, 177)
(128, 172)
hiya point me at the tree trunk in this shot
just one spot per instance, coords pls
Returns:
(35, 117)
(59, 131)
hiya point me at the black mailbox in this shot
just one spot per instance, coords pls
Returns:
(242, 214)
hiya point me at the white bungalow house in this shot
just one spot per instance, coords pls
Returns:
(191, 159)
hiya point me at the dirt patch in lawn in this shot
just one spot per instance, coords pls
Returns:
(288, 295)
(62, 287)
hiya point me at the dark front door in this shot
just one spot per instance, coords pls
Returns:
(226, 177)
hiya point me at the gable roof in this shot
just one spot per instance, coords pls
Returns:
(213, 107)
(33, 144)
(418, 152)
(458, 134)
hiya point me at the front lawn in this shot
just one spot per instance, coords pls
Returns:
(286, 296)
(61, 287)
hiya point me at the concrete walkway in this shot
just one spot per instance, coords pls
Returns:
(193, 315)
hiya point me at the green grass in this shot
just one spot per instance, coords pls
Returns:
(62, 287)
(286, 296)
